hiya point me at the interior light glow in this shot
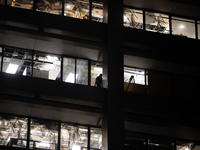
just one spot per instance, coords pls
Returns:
(52, 57)
(187, 149)
(181, 26)
(63, 131)
(8, 140)
(95, 135)
(12, 68)
(76, 147)
(44, 144)
(68, 6)
(125, 17)
(70, 78)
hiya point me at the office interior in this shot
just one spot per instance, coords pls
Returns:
(57, 57)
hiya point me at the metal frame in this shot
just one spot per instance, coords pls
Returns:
(59, 129)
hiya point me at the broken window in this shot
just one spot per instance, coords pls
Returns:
(96, 138)
(43, 134)
(133, 18)
(77, 9)
(73, 137)
(13, 131)
(157, 22)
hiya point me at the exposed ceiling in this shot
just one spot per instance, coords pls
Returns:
(166, 6)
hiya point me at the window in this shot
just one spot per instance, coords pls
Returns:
(96, 138)
(82, 71)
(96, 70)
(43, 134)
(97, 10)
(183, 27)
(198, 28)
(17, 61)
(160, 143)
(139, 75)
(48, 6)
(133, 18)
(134, 141)
(69, 70)
(13, 131)
(187, 145)
(157, 22)
(75, 71)
(77, 9)
(46, 66)
(73, 137)
(25, 4)
(134, 80)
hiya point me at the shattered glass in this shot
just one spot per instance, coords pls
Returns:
(13, 131)
(43, 134)
(73, 137)
(96, 138)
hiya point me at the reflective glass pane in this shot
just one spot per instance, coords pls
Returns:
(77, 9)
(96, 70)
(25, 4)
(82, 71)
(133, 18)
(43, 134)
(157, 22)
(13, 131)
(17, 61)
(134, 142)
(69, 70)
(183, 27)
(73, 137)
(46, 66)
(49, 6)
(97, 10)
(96, 138)
(198, 28)
(159, 143)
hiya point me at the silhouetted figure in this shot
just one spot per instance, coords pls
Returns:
(131, 79)
(98, 81)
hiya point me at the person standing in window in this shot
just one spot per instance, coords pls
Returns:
(98, 81)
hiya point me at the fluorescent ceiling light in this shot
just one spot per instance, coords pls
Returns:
(52, 57)
(181, 26)
(44, 144)
(68, 6)
(12, 68)
(95, 135)
(76, 147)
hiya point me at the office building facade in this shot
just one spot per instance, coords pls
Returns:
(51, 52)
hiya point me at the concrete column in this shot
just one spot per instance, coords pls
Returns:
(113, 123)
